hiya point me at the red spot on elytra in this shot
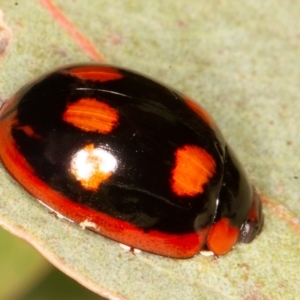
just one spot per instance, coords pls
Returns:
(222, 237)
(194, 166)
(28, 130)
(89, 114)
(96, 73)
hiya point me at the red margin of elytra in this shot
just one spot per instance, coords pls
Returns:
(81, 40)
(283, 213)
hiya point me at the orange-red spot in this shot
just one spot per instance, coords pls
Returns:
(89, 114)
(96, 73)
(91, 166)
(193, 169)
(222, 237)
(28, 130)
(199, 110)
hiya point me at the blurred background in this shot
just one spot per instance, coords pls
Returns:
(26, 275)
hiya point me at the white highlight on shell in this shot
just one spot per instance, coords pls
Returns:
(88, 161)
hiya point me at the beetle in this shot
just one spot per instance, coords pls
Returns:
(129, 158)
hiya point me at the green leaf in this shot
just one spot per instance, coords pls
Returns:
(240, 60)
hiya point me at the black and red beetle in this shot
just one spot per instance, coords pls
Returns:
(137, 161)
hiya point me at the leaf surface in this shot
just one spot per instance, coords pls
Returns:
(240, 60)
